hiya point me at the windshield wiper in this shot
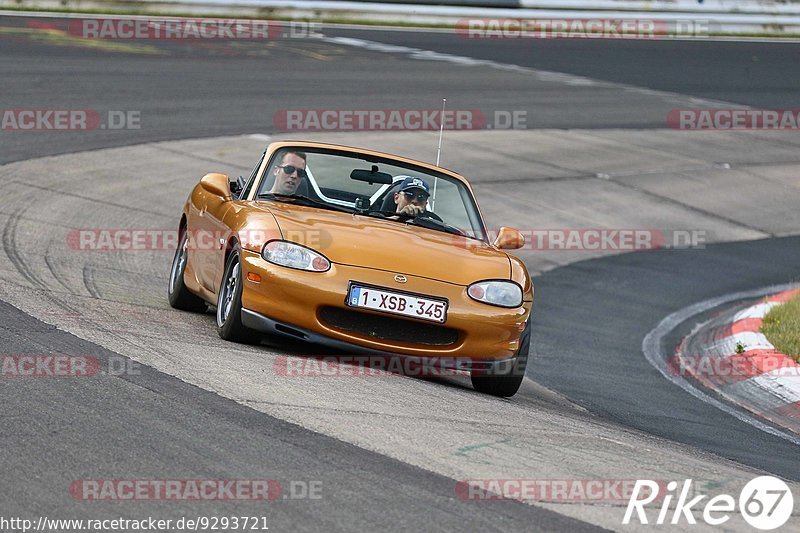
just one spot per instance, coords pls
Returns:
(302, 200)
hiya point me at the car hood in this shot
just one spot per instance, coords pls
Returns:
(389, 245)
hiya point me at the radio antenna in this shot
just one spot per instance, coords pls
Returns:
(441, 131)
(438, 152)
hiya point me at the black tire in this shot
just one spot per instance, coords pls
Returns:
(506, 382)
(177, 293)
(229, 304)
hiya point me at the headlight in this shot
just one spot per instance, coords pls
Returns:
(500, 293)
(293, 255)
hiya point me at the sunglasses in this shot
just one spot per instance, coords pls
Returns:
(421, 196)
(291, 169)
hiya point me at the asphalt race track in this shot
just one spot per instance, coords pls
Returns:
(386, 452)
(614, 379)
(189, 90)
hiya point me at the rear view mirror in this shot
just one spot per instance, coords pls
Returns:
(509, 239)
(216, 184)
(371, 176)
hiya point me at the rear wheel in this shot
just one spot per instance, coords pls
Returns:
(179, 296)
(506, 382)
(229, 304)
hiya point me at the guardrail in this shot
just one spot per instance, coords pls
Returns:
(721, 17)
(761, 7)
(758, 7)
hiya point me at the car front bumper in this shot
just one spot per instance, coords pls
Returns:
(293, 303)
(373, 358)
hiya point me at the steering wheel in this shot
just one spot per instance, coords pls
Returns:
(430, 214)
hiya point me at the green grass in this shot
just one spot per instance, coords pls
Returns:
(782, 328)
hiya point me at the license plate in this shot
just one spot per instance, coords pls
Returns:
(397, 303)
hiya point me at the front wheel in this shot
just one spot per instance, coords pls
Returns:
(229, 304)
(179, 296)
(506, 382)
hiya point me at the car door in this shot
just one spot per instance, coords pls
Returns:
(219, 232)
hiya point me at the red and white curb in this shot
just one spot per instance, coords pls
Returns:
(730, 356)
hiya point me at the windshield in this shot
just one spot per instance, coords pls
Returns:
(341, 181)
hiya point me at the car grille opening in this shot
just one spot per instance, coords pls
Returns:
(388, 328)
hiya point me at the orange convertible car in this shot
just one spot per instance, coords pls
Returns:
(360, 251)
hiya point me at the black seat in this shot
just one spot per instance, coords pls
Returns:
(390, 205)
(302, 190)
(388, 198)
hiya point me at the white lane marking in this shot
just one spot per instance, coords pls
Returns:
(786, 388)
(543, 75)
(755, 311)
(752, 395)
(653, 349)
(260, 137)
(750, 340)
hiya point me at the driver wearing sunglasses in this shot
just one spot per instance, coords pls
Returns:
(412, 197)
(290, 173)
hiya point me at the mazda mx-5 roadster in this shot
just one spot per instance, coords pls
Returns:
(360, 251)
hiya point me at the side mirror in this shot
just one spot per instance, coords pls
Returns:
(237, 187)
(509, 239)
(217, 184)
